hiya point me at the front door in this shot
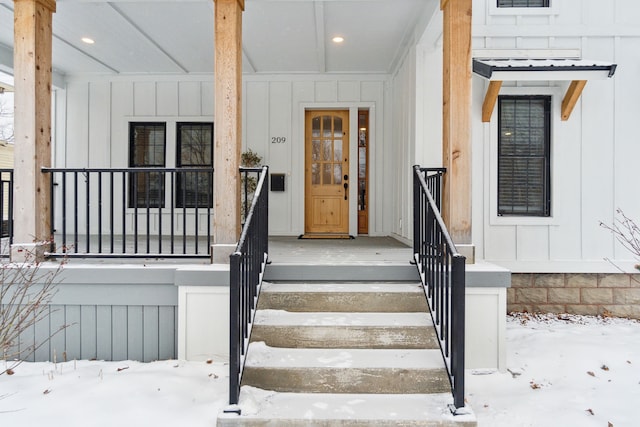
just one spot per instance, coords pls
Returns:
(327, 174)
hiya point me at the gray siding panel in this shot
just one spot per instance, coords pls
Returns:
(134, 327)
(56, 345)
(119, 332)
(88, 332)
(103, 332)
(150, 334)
(72, 332)
(167, 346)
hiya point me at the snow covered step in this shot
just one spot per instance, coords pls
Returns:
(268, 408)
(279, 328)
(345, 371)
(344, 297)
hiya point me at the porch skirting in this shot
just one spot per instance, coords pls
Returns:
(125, 312)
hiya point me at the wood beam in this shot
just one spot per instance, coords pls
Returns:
(32, 120)
(490, 100)
(456, 132)
(228, 121)
(571, 98)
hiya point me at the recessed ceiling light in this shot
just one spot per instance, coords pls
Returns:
(88, 40)
(338, 39)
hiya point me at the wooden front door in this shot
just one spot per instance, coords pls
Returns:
(327, 174)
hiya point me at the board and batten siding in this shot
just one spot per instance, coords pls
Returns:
(106, 312)
(594, 153)
(96, 112)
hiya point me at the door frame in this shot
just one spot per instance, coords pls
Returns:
(298, 168)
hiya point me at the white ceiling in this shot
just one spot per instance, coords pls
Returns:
(176, 36)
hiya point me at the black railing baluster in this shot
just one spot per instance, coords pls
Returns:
(442, 271)
(99, 212)
(88, 212)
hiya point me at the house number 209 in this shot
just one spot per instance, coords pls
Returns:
(278, 139)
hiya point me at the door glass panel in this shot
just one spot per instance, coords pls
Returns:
(337, 173)
(315, 174)
(362, 162)
(337, 126)
(326, 175)
(337, 150)
(326, 126)
(315, 127)
(327, 150)
(315, 150)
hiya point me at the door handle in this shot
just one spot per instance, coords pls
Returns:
(346, 186)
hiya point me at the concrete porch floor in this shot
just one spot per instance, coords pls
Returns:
(282, 250)
(361, 250)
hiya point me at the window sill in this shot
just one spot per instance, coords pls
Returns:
(529, 11)
(523, 220)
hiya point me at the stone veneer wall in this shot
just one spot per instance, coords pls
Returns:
(576, 293)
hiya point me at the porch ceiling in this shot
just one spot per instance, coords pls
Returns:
(176, 36)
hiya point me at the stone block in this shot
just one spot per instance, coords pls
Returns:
(580, 280)
(626, 296)
(518, 308)
(511, 296)
(564, 296)
(618, 280)
(628, 311)
(549, 308)
(597, 296)
(583, 309)
(531, 295)
(551, 280)
(521, 280)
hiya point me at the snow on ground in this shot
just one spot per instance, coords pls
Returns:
(562, 371)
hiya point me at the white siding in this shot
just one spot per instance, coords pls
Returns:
(100, 109)
(594, 153)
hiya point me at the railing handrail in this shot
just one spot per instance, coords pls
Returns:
(442, 272)
(247, 265)
(133, 169)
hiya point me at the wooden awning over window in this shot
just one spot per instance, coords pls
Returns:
(578, 71)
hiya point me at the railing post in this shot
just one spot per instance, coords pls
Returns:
(234, 332)
(416, 213)
(458, 328)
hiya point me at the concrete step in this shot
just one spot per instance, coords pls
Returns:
(354, 271)
(383, 371)
(378, 297)
(279, 328)
(268, 408)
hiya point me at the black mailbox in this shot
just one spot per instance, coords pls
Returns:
(277, 182)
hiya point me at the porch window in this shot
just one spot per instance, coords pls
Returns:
(523, 3)
(524, 155)
(147, 147)
(195, 142)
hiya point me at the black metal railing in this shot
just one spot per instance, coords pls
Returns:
(249, 178)
(131, 212)
(442, 271)
(247, 264)
(6, 211)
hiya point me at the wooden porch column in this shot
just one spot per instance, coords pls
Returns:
(227, 127)
(456, 120)
(32, 125)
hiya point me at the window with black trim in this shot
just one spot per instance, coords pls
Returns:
(194, 149)
(147, 147)
(523, 3)
(524, 139)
